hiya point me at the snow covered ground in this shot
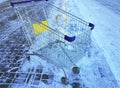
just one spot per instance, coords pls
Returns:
(2, 1)
(97, 66)
(107, 31)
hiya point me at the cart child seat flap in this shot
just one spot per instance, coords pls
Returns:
(39, 28)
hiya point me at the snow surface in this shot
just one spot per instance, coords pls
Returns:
(106, 32)
(94, 70)
(2, 1)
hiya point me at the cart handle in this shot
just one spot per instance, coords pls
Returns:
(69, 39)
(20, 2)
(91, 25)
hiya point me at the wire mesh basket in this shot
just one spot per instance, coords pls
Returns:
(54, 35)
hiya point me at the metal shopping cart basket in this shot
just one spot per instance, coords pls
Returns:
(54, 34)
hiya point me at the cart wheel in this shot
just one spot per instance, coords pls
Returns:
(76, 70)
(64, 80)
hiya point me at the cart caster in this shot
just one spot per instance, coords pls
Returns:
(64, 80)
(76, 70)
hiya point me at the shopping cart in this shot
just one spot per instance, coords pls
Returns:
(54, 35)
